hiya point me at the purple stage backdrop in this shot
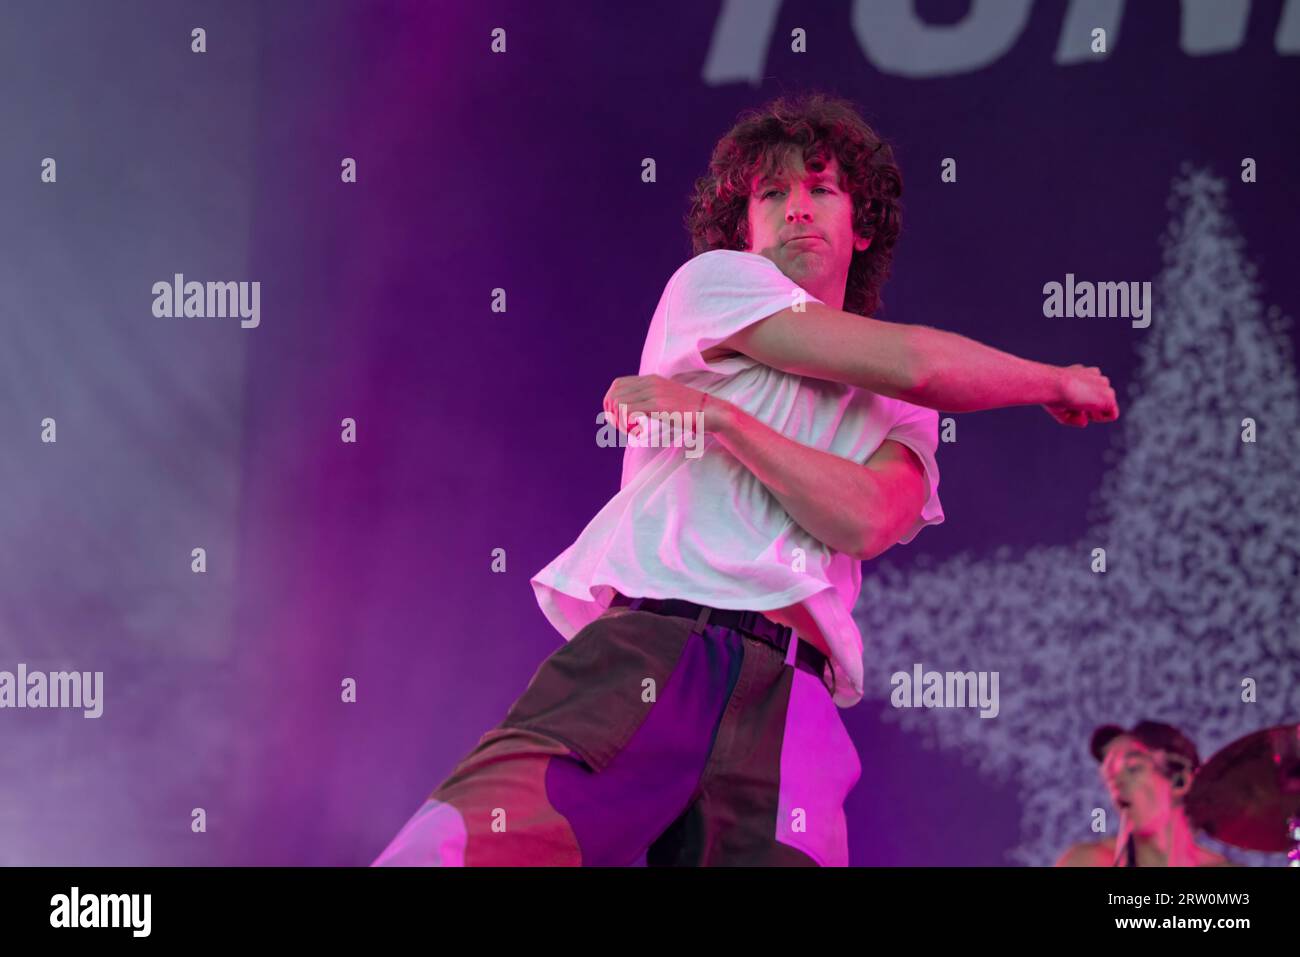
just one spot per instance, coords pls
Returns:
(182, 514)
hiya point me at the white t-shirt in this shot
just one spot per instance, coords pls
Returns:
(704, 528)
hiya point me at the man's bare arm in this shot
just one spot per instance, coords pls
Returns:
(859, 510)
(918, 364)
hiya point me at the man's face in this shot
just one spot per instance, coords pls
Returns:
(800, 202)
(1129, 770)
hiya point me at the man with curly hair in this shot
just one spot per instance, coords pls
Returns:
(692, 713)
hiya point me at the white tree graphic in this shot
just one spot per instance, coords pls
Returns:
(1202, 537)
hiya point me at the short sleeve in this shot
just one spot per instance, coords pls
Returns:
(918, 428)
(710, 298)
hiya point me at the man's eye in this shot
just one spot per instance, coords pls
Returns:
(772, 192)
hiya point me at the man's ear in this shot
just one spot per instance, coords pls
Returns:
(860, 243)
(1180, 778)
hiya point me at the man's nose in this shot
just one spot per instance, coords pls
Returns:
(797, 206)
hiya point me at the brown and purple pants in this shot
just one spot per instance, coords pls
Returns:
(646, 734)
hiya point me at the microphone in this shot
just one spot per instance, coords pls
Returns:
(1124, 843)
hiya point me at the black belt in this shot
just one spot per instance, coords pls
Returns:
(751, 623)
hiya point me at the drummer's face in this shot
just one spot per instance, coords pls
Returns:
(1135, 786)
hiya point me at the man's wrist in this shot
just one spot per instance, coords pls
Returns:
(1055, 387)
(1043, 384)
(717, 415)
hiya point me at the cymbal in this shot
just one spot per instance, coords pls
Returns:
(1244, 794)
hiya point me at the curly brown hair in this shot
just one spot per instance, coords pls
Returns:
(819, 126)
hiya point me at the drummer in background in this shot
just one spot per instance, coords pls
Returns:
(1147, 770)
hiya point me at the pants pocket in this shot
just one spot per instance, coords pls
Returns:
(596, 690)
(819, 768)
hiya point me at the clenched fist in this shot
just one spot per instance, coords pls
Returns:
(1086, 396)
(648, 394)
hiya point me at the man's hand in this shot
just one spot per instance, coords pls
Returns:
(648, 394)
(1086, 396)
